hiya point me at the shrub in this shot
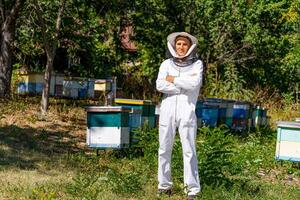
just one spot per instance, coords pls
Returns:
(215, 151)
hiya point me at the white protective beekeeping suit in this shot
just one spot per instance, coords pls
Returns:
(178, 111)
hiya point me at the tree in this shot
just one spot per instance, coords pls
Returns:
(50, 44)
(9, 11)
(243, 43)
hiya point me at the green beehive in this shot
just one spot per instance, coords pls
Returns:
(148, 109)
(107, 127)
(257, 114)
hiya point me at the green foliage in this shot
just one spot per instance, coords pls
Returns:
(148, 143)
(126, 182)
(288, 99)
(43, 192)
(231, 166)
(85, 186)
(177, 161)
(215, 152)
(85, 46)
(242, 44)
(255, 152)
(232, 87)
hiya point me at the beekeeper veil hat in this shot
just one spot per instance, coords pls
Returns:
(190, 56)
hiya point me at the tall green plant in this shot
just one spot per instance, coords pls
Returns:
(231, 86)
(147, 141)
(215, 152)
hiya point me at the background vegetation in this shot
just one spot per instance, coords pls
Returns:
(246, 46)
(250, 50)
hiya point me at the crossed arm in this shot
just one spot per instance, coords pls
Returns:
(172, 85)
(164, 83)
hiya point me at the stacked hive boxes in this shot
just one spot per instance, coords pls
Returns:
(113, 126)
(210, 112)
(61, 86)
(78, 88)
(142, 114)
(238, 115)
(32, 83)
(259, 116)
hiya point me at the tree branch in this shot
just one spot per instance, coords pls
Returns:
(241, 60)
(2, 11)
(42, 23)
(11, 18)
(58, 24)
(222, 59)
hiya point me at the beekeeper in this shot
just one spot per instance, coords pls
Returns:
(179, 79)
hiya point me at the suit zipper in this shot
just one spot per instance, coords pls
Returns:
(176, 102)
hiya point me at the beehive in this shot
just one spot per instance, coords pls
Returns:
(108, 127)
(288, 141)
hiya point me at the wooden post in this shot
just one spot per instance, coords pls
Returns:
(110, 97)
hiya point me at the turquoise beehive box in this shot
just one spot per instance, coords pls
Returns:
(229, 112)
(288, 141)
(135, 122)
(108, 127)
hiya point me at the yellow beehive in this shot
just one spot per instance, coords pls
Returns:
(102, 85)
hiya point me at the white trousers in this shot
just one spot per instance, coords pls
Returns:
(187, 134)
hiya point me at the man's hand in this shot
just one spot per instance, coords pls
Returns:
(170, 79)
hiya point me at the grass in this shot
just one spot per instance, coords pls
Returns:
(46, 158)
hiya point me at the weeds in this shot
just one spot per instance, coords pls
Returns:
(85, 186)
(215, 154)
(147, 144)
(130, 182)
(43, 193)
(231, 165)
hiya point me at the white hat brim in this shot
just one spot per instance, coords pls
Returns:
(171, 38)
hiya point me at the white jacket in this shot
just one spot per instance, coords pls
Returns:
(181, 95)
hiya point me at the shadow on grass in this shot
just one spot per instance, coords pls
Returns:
(26, 147)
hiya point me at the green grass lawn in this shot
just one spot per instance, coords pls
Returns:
(46, 158)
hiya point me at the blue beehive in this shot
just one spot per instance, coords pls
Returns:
(39, 88)
(198, 111)
(210, 115)
(210, 111)
(229, 112)
(240, 115)
(225, 110)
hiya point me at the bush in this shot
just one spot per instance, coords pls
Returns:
(215, 152)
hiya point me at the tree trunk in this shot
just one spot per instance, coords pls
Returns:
(50, 48)
(5, 64)
(8, 23)
(46, 89)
